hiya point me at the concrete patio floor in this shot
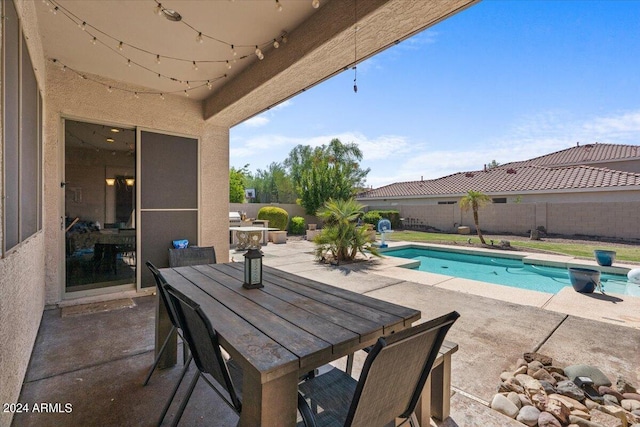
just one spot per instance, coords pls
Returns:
(98, 361)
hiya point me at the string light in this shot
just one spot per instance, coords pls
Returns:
(233, 51)
(228, 65)
(94, 40)
(129, 63)
(83, 26)
(199, 38)
(259, 53)
(135, 94)
(186, 93)
(278, 6)
(158, 9)
(157, 59)
(55, 10)
(276, 44)
(209, 85)
(120, 46)
(162, 96)
(109, 89)
(315, 4)
(195, 66)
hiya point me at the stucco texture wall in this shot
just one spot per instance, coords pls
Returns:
(21, 269)
(70, 97)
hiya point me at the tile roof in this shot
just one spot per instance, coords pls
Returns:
(584, 155)
(511, 179)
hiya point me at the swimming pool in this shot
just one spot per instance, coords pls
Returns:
(504, 271)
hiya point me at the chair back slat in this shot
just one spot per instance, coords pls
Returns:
(160, 283)
(203, 342)
(395, 373)
(195, 255)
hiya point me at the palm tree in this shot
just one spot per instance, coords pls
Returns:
(340, 237)
(475, 200)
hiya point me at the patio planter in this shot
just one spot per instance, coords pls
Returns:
(278, 237)
(604, 258)
(311, 234)
(584, 280)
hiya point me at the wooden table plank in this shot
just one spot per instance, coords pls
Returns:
(248, 345)
(313, 322)
(406, 313)
(310, 349)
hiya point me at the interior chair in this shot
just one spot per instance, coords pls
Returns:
(207, 354)
(193, 255)
(160, 282)
(392, 379)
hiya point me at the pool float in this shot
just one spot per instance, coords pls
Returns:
(634, 276)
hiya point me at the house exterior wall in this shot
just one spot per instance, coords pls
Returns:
(22, 268)
(68, 96)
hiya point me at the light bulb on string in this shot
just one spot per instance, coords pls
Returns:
(278, 6)
(129, 63)
(135, 94)
(158, 9)
(83, 26)
(209, 85)
(315, 4)
(258, 53)
(199, 38)
(233, 51)
(195, 66)
(188, 84)
(228, 65)
(162, 96)
(276, 44)
(186, 93)
(55, 10)
(120, 46)
(64, 68)
(157, 59)
(94, 40)
(109, 89)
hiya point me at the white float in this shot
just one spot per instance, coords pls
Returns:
(634, 276)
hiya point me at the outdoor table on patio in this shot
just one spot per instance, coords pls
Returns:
(287, 328)
(250, 236)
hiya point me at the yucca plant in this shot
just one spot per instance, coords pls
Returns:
(340, 238)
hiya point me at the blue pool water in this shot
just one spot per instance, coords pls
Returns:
(504, 271)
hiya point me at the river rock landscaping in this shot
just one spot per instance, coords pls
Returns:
(538, 393)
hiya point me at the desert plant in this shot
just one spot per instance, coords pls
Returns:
(297, 225)
(340, 239)
(475, 200)
(277, 217)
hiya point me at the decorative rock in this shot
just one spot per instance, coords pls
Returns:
(568, 388)
(513, 397)
(528, 415)
(630, 405)
(504, 406)
(558, 377)
(520, 370)
(521, 362)
(581, 422)
(543, 375)
(581, 414)
(592, 372)
(545, 360)
(524, 399)
(624, 386)
(591, 404)
(605, 420)
(608, 390)
(523, 378)
(506, 375)
(534, 367)
(571, 403)
(610, 399)
(539, 400)
(633, 396)
(548, 387)
(512, 384)
(552, 369)
(558, 409)
(547, 420)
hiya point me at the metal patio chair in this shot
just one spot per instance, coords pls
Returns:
(160, 282)
(392, 379)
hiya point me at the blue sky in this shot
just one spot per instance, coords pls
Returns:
(503, 80)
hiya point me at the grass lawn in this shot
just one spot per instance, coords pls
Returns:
(583, 249)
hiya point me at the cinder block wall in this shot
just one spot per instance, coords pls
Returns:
(251, 209)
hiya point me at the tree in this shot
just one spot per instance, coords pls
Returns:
(340, 238)
(325, 172)
(475, 200)
(493, 164)
(237, 184)
(273, 185)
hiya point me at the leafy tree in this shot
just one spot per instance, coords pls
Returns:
(493, 164)
(325, 172)
(273, 185)
(340, 239)
(237, 179)
(475, 200)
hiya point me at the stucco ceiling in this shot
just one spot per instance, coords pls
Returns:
(144, 35)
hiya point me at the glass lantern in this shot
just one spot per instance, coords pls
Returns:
(253, 269)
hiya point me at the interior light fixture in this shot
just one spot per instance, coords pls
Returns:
(110, 181)
(115, 130)
(111, 140)
(315, 4)
(129, 181)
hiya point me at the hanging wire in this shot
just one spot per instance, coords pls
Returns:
(355, 47)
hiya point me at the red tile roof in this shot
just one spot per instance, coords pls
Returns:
(510, 180)
(562, 170)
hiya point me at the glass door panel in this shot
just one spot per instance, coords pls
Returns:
(100, 230)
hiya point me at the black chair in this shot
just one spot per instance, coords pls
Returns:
(392, 379)
(194, 255)
(172, 317)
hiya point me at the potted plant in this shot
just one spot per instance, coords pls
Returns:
(584, 280)
(604, 257)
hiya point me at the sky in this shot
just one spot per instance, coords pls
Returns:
(504, 80)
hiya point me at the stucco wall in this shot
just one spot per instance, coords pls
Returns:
(21, 269)
(71, 97)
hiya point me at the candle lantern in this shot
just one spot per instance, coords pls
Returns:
(253, 269)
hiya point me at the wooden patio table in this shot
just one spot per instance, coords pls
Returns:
(290, 327)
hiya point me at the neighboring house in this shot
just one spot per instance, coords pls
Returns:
(545, 190)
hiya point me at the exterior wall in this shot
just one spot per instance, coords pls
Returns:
(604, 219)
(251, 209)
(70, 97)
(627, 165)
(21, 269)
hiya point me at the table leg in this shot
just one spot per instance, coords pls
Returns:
(423, 408)
(273, 403)
(163, 326)
(441, 388)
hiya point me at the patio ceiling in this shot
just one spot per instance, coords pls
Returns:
(130, 37)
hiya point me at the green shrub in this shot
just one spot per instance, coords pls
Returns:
(393, 216)
(277, 217)
(297, 225)
(372, 217)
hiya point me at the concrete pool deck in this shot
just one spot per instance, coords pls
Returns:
(497, 324)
